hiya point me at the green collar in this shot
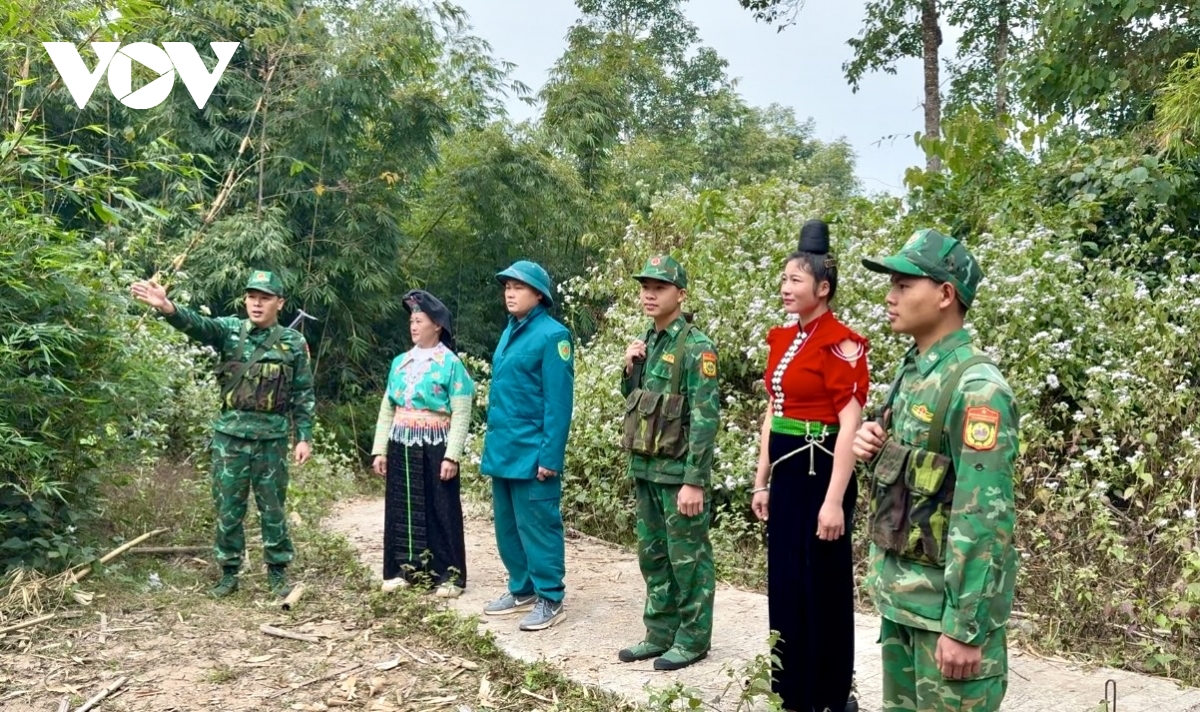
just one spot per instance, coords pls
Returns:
(940, 350)
(672, 329)
(537, 309)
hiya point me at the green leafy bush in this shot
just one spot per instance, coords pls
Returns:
(85, 387)
(1104, 370)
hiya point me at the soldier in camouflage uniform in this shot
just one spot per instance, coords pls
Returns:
(262, 400)
(941, 516)
(672, 412)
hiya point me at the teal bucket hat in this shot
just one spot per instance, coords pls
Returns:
(530, 273)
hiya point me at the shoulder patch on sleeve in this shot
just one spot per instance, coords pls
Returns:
(980, 428)
(708, 364)
(564, 350)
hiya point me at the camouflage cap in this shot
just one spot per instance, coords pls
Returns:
(664, 268)
(263, 281)
(929, 253)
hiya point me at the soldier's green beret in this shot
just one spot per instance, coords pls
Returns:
(929, 253)
(664, 268)
(263, 281)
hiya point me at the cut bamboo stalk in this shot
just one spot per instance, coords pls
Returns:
(292, 597)
(170, 550)
(27, 624)
(85, 570)
(102, 694)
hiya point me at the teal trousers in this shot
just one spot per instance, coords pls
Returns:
(529, 535)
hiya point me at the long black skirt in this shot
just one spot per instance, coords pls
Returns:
(423, 539)
(810, 582)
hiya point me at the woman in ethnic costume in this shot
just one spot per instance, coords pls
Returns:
(817, 382)
(419, 439)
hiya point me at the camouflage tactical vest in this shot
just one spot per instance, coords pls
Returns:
(261, 383)
(655, 421)
(912, 489)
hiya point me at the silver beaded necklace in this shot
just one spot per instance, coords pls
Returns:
(788, 356)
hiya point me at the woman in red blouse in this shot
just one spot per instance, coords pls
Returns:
(817, 382)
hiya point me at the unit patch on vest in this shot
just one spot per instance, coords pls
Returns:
(564, 350)
(980, 426)
(669, 358)
(708, 364)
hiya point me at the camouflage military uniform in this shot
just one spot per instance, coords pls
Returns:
(674, 551)
(250, 444)
(942, 555)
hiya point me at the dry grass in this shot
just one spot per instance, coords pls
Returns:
(150, 620)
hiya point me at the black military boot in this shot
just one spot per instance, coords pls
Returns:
(228, 584)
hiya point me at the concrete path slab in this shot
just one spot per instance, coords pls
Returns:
(604, 602)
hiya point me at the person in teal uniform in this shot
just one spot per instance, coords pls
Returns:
(422, 428)
(528, 419)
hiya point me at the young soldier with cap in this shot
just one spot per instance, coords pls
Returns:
(266, 394)
(530, 403)
(422, 427)
(671, 417)
(942, 456)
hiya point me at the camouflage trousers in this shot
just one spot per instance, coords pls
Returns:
(675, 555)
(238, 465)
(912, 682)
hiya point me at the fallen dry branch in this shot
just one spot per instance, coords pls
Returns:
(280, 633)
(14, 695)
(315, 680)
(536, 696)
(102, 694)
(64, 705)
(170, 550)
(411, 654)
(26, 624)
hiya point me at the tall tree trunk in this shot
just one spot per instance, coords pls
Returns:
(1002, 34)
(931, 36)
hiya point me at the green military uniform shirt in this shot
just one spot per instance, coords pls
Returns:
(698, 383)
(224, 334)
(972, 594)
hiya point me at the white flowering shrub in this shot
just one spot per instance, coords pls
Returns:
(1105, 373)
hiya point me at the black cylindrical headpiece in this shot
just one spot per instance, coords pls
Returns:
(814, 237)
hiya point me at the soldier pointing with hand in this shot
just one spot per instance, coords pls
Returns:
(942, 459)
(266, 394)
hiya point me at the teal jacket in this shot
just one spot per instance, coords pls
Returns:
(531, 398)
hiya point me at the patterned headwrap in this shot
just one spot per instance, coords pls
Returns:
(418, 300)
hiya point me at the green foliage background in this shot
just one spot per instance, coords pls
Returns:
(361, 150)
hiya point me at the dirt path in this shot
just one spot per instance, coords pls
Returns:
(604, 599)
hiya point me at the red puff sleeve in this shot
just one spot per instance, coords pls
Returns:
(846, 372)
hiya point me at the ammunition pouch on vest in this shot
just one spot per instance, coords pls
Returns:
(656, 423)
(912, 489)
(258, 384)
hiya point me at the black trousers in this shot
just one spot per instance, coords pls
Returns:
(422, 518)
(810, 582)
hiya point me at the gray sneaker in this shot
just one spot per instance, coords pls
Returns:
(508, 604)
(545, 614)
